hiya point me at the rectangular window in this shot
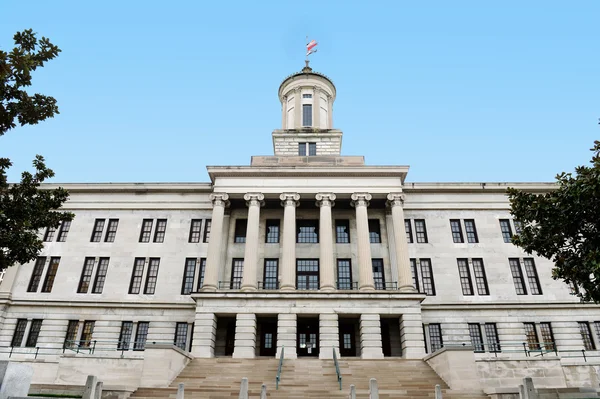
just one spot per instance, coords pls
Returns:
(302, 149)
(307, 96)
(63, 231)
(427, 276)
(125, 336)
(306, 115)
(532, 277)
(202, 269)
(237, 273)
(435, 337)
(342, 231)
(181, 331)
(71, 335)
(374, 231)
(51, 274)
(86, 275)
(312, 149)
(86, 334)
(547, 336)
(344, 274)
(465, 277)
(378, 275)
(152, 276)
(272, 235)
(36, 275)
(136, 276)
(457, 235)
(586, 336)
(141, 335)
(491, 334)
(146, 231)
(408, 228)
(97, 232)
(421, 230)
(111, 230)
(476, 337)
(271, 274)
(189, 272)
(19, 333)
(480, 277)
(307, 231)
(307, 274)
(471, 231)
(518, 226)
(515, 269)
(532, 337)
(506, 230)
(34, 333)
(240, 231)
(100, 276)
(415, 274)
(49, 236)
(207, 230)
(195, 229)
(161, 228)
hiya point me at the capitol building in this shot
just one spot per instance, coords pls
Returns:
(308, 257)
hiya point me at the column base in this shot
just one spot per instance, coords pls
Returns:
(371, 353)
(366, 288)
(246, 288)
(287, 288)
(208, 288)
(327, 288)
(409, 289)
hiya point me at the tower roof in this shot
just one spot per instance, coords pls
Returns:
(306, 72)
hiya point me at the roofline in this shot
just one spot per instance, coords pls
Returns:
(311, 72)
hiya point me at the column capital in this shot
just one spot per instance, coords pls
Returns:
(325, 199)
(289, 199)
(220, 199)
(254, 199)
(395, 199)
(360, 199)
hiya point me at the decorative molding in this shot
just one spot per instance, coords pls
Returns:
(325, 199)
(395, 199)
(360, 199)
(254, 199)
(220, 199)
(290, 199)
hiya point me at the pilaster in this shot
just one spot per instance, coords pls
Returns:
(245, 336)
(370, 336)
(411, 336)
(286, 335)
(205, 330)
(329, 336)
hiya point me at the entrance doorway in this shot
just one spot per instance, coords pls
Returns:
(390, 337)
(225, 336)
(308, 337)
(348, 334)
(267, 336)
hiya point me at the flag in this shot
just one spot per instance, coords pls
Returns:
(310, 47)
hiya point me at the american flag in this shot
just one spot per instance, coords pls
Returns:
(310, 47)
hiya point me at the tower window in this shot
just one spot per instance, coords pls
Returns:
(307, 96)
(306, 114)
(305, 149)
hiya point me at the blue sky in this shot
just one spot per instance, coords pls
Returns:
(460, 91)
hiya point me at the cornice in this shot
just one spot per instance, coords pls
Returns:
(460, 187)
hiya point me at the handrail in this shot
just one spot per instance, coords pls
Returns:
(337, 368)
(278, 376)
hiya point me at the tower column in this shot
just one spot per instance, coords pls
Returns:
(254, 201)
(213, 259)
(316, 108)
(297, 108)
(289, 201)
(326, 263)
(396, 203)
(360, 201)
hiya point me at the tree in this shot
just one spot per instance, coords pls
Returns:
(25, 209)
(564, 226)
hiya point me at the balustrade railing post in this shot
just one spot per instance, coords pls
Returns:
(525, 349)
(37, 349)
(584, 358)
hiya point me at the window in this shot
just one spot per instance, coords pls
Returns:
(491, 334)
(344, 274)
(471, 231)
(480, 277)
(435, 337)
(465, 277)
(476, 337)
(100, 276)
(457, 235)
(195, 228)
(312, 149)
(189, 272)
(378, 275)
(307, 274)
(181, 331)
(272, 236)
(506, 230)
(136, 276)
(342, 231)
(202, 269)
(532, 337)
(518, 226)
(161, 227)
(49, 236)
(97, 232)
(307, 231)
(532, 277)
(51, 274)
(515, 269)
(415, 274)
(140, 336)
(240, 231)
(306, 115)
(207, 230)
(146, 230)
(547, 336)
(427, 277)
(111, 230)
(63, 231)
(86, 275)
(305, 149)
(307, 96)
(36, 275)
(71, 335)
(408, 228)
(152, 276)
(271, 274)
(586, 336)
(421, 230)
(125, 336)
(34, 333)
(86, 334)
(237, 273)
(374, 231)
(19, 333)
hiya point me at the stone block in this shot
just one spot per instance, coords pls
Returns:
(15, 379)
(90, 387)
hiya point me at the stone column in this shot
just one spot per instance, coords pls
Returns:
(326, 263)
(396, 203)
(286, 335)
(370, 336)
(316, 105)
(289, 201)
(360, 201)
(213, 259)
(254, 201)
(330, 112)
(205, 331)
(329, 336)
(245, 336)
(411, 335)
(391, 247)
(284, 112)
(298, 108)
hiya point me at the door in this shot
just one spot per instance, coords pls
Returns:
(308, 337)
(347, 339)
(268, 339)
(386, 344)
(230, 338)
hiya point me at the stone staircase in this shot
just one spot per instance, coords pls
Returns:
(220, 378)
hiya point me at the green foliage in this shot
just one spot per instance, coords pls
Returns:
(564, 226)
(25, 209)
